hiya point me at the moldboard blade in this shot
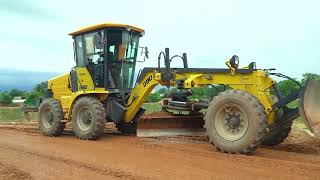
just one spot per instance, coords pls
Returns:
(166, 124)
(309, 106)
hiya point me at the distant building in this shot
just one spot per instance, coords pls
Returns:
(18, 99)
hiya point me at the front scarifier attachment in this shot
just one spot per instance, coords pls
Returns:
(309, 105)
(167, 124)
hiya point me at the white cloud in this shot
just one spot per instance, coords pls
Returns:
(281, 34)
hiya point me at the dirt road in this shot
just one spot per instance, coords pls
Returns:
(25, 154)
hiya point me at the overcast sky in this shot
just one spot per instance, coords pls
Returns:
(280, 34)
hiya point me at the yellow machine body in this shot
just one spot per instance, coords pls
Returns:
(61, 90)
(100, 89)
(256, 83)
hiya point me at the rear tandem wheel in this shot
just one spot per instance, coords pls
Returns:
(50, 117)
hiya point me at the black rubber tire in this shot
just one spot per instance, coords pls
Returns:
(130, 127)
(96, 109)
(279, 130)
(127, 128)
(278, 134)
(256, 122)
(56, 127)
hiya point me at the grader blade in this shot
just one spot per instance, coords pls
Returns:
(166, 124)
(309, 106)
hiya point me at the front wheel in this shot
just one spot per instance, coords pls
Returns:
(130, 127)
(279, 130)
(127, 128)
(236, 122)
(49, 118)
(88, 118)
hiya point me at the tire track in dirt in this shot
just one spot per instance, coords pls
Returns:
(194, 152)
(256, 161)
(160, 144)
(118, 173)
(11, 173)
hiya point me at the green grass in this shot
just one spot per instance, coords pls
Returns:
(8, 114)
(151, 107)
(295, 104)
(156, 107)
(12, 114)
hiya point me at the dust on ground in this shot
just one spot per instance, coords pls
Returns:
(300, 140)
(25, 153)
(10, 173)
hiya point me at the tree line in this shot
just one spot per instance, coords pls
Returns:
(31, 97)
(201, 93)
(206, 93)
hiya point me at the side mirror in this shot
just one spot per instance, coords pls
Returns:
(234, 61)
(98, 41)
(144, 53)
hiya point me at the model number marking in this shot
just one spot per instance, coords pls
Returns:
(146, 82)
(83, 87)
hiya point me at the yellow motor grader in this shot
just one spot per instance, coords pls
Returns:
(100, 89)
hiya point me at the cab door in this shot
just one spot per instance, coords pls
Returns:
(89, 55)
(121, 53)
(81, 79)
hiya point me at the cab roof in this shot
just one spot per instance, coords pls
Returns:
(105, 25)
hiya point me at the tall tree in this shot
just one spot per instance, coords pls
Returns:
(38, 91)
(16, 92)
(287, 87)
(41, 88)
(309, 76)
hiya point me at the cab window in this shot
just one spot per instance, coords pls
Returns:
(79, 51)
(94, 47)
(121, 55)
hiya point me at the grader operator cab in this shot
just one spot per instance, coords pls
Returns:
(100, 89)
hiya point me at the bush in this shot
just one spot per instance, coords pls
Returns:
(38, 91)
(162, 90)
(309, 76)
(33, 98)
(40, 88)
(154, 97)
(287, 87)
(208, 92)
(16, 92)
(5, 98)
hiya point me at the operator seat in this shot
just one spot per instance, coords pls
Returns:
(98, 72)
(110, 59)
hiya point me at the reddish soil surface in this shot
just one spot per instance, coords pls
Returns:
(26, 154)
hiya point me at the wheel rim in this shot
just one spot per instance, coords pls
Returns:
(84, 119)
(231, 122)
(47, 117)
